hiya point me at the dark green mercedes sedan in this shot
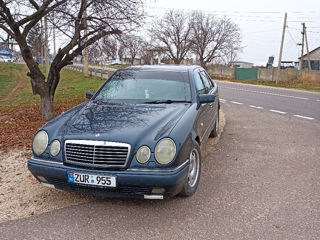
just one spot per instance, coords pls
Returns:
(139, 135)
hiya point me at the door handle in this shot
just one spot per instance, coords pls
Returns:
(211, 104)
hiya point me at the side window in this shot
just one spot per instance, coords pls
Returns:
(198, 83)
(209, 78)
(207, 81)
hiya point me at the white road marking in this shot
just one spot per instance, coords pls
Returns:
(277, 111)
(257, 107)
(271, 110)
(304, 117)
(267, 93)
(318, 100)
(265, 87)
(239, 103)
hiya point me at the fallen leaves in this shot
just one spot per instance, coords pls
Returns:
(18, 126)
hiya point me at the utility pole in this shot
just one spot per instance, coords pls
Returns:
(307, 46)
(302, 47)
(86, 53)
(42, 41)
(46, 50)
(281, 47)
(54, 38)
(8, 39)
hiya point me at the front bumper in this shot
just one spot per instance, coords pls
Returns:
(130, 183)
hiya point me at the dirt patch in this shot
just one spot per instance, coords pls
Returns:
(21, 195)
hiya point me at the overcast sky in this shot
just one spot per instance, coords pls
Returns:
(260, 22)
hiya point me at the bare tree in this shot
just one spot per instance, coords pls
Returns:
(109, 46)
(94, 53)
(121, 50)
(211, 37)
(173, 32)
(133, 45)
(231, 54)
(145, 54)
(101, 18)
(35, 41)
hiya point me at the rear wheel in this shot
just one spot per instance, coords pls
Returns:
(215, 130)
(192, 180)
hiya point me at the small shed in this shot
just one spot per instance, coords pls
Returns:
(240, 64)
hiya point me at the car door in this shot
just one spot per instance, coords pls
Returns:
(201, 122)
(211, 110)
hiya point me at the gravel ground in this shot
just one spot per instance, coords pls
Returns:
(22, 196)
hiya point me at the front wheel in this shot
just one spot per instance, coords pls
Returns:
(192, 180)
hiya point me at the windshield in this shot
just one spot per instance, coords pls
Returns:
(147, 86)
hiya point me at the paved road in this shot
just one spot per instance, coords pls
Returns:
(282, 101)
(261, 181)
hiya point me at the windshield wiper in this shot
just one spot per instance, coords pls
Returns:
(99, 101)
(167, 101)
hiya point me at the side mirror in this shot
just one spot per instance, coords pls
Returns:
(206, 98)
(89, 94)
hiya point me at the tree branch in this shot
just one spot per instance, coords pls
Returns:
(34, 4)
(7, 30)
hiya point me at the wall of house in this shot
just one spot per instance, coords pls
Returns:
(222, 72)
(313, 56)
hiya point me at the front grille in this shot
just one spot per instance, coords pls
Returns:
(100, 154)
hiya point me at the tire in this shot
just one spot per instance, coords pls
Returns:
(192, 180)
(215, 130)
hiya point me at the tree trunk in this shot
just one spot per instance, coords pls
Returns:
(46, 106)
(203, 65)
(202, 62)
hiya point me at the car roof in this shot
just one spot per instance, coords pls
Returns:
(164, 68)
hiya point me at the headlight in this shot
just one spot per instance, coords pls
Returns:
(40, 142)
(143, 154)
(165, 151)
(55, 148)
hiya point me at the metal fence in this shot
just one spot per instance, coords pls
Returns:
(246, 73)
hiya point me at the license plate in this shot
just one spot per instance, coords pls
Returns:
(89, 179)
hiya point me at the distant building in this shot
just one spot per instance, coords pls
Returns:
(314, 59)
(289, 64)
(239, 64)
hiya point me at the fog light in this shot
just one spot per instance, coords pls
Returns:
(41, 179)
(158, 190)
(48, 185)
(153, 197)
(55, 148)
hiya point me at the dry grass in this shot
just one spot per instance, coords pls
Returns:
(308, 78)
(306, 81)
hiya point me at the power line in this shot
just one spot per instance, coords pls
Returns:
(295, 43)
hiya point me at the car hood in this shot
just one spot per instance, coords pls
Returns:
(123, 122)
